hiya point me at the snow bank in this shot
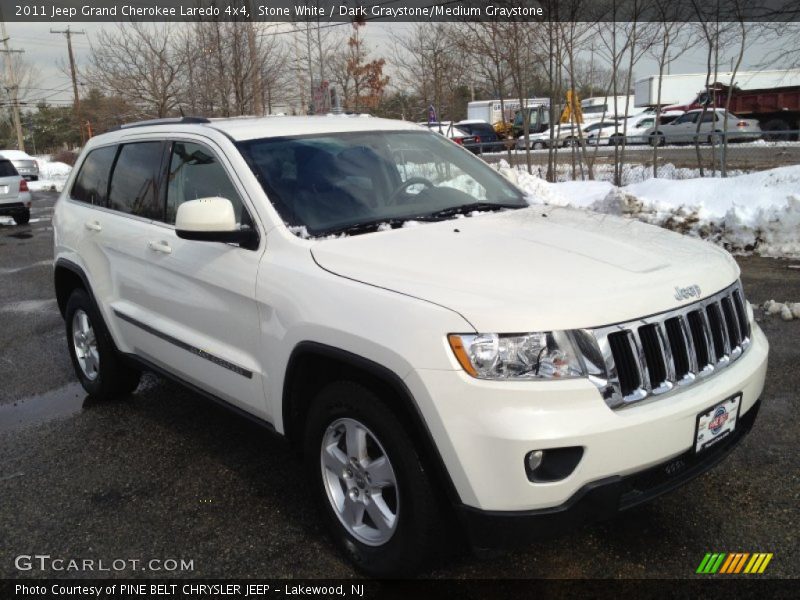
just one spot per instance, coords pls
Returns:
(755, 212)
(52, 175)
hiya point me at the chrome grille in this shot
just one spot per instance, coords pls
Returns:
(657, 355)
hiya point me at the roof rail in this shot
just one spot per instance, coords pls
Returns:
(164, 121)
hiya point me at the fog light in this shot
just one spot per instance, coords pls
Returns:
(534, 459)
(553, 464)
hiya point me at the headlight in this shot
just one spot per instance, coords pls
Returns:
(542, 355)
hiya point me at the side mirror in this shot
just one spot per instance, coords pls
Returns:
(211, 220)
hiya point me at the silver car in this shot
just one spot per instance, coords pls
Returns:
(713, 128)
(25, 164)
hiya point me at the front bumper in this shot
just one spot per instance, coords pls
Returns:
(484, 429)
(598, 500)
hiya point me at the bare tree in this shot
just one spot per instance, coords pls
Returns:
(669, 39)
(429, 64)
(138, 62)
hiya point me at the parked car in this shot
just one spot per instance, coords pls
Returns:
(564, 134)
(26, 165)
(683, 130)
(15, 198)
(637, 131)
(503, 372)
(458, 135)
(485, 135)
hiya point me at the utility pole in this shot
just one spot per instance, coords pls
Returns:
(69, 33)
(13, 87)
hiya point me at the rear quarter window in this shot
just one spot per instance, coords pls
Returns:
(91, 185)
(7, 169)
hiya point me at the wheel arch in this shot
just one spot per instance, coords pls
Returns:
(68, 276)
(330, 364)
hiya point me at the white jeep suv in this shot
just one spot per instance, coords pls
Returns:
(442, 352)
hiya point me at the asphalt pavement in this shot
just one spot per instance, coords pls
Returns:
(167, 475)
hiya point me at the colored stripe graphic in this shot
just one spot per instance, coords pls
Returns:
(732, 558)
(734, 563)
(741, 562)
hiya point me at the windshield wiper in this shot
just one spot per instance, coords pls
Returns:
(362, 226)
(465, 209)
(394, 222)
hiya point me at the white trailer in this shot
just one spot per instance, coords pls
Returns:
(492, 111)
(608, 107)
(682, 89)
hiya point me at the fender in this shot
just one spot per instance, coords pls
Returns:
(381, 374)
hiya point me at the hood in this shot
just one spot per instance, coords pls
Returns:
(537, 268)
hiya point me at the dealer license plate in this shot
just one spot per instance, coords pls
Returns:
(717, 423)
(3, 189)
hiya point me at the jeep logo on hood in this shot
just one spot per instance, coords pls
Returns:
(684, 293)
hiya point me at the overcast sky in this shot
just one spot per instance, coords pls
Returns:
(48, 53)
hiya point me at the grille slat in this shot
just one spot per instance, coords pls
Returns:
(741, 314)
(679, 347)
(626, 362)
(654, 354)
(731, 323)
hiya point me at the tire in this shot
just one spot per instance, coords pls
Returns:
(411, 531)
(538, 146)
(22, 218)
(657, 139)
(97, 364)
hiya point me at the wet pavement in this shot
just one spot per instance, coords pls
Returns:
(165, 474)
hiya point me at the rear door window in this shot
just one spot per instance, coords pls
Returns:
(135, 182)
(7, 169)
(91, 185)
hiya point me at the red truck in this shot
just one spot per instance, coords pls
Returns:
(776, 109)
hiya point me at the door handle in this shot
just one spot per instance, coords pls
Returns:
(162, 247)
(93, 226)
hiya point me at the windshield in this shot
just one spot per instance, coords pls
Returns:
(358, 182)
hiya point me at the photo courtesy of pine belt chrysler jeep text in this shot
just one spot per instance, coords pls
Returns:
(453, 362)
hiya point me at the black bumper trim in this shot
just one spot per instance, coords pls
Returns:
(598, 500)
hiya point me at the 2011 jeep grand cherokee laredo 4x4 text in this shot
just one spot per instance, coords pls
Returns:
(442, 352)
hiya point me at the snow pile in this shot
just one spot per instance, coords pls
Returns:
(787, 310)
(52, 176)
(756, 212)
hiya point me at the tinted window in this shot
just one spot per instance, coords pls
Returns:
(687, 118)
(7, 169)
(92, 183)
(709, 117)
(134, 183)
(194, 172)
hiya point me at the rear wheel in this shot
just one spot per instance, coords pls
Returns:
(98, 366)
(22, 218)
(377, 497)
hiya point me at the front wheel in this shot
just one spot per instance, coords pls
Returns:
(98, 366)
(657, 139)
(377, 497)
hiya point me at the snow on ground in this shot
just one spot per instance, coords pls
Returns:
(756, 212)
(52, 176)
